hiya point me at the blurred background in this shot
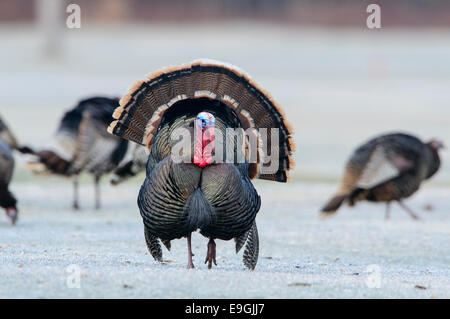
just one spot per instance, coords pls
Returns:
(339, 81)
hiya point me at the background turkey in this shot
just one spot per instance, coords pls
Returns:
(86, 145)
(177, 198)
(385, 169)
(131, 167)
(7, 200)
(8, 138)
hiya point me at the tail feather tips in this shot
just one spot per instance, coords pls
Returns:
(333, 205)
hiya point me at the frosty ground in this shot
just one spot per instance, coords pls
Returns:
(349, 255)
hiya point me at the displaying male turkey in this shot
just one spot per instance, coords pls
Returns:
(188, 185)
(86, 144)
(132, 167)
(385, 169)
(8, 138)
(7, 200)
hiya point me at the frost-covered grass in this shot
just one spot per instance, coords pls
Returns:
(300, 255)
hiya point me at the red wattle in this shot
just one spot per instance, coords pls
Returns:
(204, 146)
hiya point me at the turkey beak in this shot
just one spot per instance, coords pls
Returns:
(11, 212)
(436, 145)
(440, 145)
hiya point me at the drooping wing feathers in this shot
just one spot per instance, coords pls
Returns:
(251, 251)
(378, 169)
(240, 241)
(6, 172)
(7, 136)
(162, 201)
(141, 110)
(100, 109)
(94, 146)
(166, 244)
(153, 245)
(67, 143)
(381, 160)
(6, 164)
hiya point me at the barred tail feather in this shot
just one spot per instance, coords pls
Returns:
(25, 150)
(153, 245)
(142, 110)
(251, 251)
(333, 204)
(49, 162)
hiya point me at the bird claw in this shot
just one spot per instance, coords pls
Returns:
(210, 260)
(190, 266)
(211, 254)
(12, 214)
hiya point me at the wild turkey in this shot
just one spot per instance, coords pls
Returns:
(7, 200)
(132, 167)
(9, 139)
(86, 143)
(193, 188)
(385, 169)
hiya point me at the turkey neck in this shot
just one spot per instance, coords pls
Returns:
(6, 198)
(432, 160)
(183, 115)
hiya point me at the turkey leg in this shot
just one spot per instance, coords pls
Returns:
(75, 193)
(190, 263)
(410, 212)
(97, 192)
(211, 254)
(388, 211)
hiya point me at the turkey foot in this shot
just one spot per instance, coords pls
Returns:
(75, 205)
(211, 254)
(190, 254)
(12, 214)
(388, 211)
(409, 211)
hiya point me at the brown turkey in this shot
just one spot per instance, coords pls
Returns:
(386, 169)
(7, 199)
(8, 138)
(132, 167)
(194, 189)
(86, 145)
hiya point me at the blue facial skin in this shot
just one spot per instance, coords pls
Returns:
(204, 121)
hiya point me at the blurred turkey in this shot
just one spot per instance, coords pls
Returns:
(9, 139)
(385, 169)
(132, 167)
(7, 200)
(191, 190)
(86, 145)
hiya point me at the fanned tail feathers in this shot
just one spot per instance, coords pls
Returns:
(142, 110)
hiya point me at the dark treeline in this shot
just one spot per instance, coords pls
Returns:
(297, 12)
